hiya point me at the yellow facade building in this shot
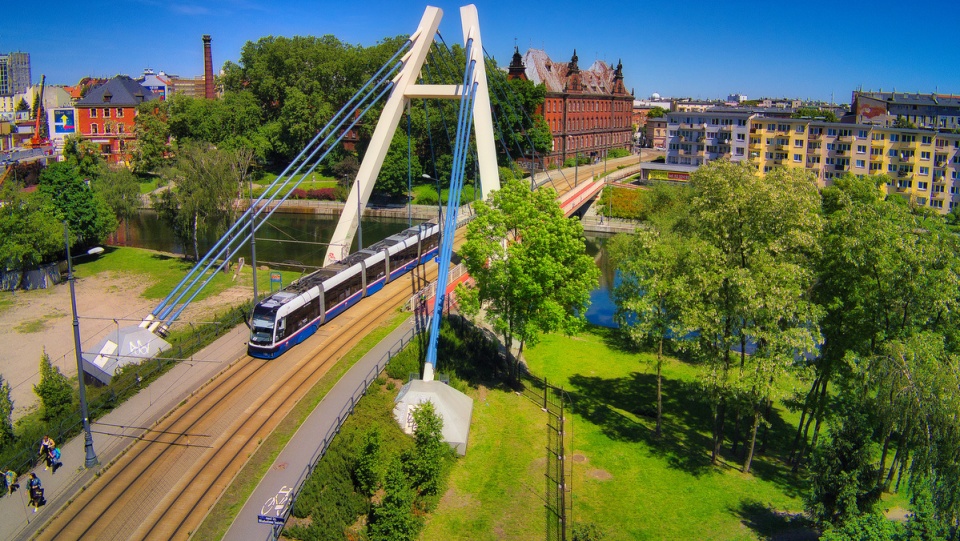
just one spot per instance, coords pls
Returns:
(921, 165)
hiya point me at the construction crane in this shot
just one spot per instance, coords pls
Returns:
(38, 140)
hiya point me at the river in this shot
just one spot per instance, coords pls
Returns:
(300, 239)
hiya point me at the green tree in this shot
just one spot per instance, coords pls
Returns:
(119, 188)
(22, 106)
(30, 233)
(83, 156)
(153, 134)
(901, 122)
(646, 298)
(842, 474)
(54, 390)
(88, 215)
(393, 518)
(530, 265)
(205, 182)
(866, 527)
(745, 277)
(7, 435)
(815, 112)
(393, 173)
(428, 458)
(657, 112)
(369, 468)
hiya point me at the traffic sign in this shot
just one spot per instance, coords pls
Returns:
(264, 519)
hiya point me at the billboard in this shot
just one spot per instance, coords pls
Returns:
(63, 123)
(657, 174)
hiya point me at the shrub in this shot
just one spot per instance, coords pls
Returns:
(6, 414)
(403, 364)
(322, 194)
(298, 193)
(54, 390)
(427, 461)
(618, 153)
(393, 519)
(369, 469)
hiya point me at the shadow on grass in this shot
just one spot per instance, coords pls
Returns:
(772, 525)
(625, 410)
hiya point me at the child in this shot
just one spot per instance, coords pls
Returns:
(36, 492)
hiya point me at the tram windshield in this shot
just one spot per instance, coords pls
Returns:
(261, 331)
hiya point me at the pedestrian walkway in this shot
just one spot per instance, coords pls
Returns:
(276, 490)
(114, 432)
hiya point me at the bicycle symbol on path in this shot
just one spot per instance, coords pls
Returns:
(273, 509)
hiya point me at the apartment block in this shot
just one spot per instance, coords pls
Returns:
(921, 165)
(14, 73)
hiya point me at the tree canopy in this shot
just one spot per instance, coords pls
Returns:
(530, 265)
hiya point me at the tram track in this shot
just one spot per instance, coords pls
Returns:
(164, 484)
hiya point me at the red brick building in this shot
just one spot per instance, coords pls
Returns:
(588, 111)
(105, 115)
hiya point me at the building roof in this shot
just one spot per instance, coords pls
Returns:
(597, 79)
(121, 91)
(914, 98)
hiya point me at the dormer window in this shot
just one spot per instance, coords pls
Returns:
(107, 96)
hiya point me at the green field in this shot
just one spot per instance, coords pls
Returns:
(624, 480)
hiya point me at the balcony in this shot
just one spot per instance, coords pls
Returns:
(904, 173)
(841, 152)
(782, 147)
(844, 138)
(779, 161)
(815, 136)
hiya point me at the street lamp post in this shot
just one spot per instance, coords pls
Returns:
(91, 456)
(576, 169)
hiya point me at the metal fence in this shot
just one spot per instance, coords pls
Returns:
(558, 477)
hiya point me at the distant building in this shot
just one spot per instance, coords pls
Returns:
(105, 115)
(931, 111)
(14, 73)
(158, 83)
(736, 98)
(588, 111)
(655, 132)
(921, 165)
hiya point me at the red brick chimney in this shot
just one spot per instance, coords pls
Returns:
(207, 69)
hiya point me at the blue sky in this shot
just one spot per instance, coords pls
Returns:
(703, 50)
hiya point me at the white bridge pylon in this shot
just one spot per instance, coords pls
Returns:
(405, 89)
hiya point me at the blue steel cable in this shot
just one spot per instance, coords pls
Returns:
(219, 254)
(464, 124)
(270, 189)
(173, 317)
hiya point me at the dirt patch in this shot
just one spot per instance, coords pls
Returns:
(454, 500)
(41, 321)
(578, 458)
(898, 514)
(599, 475)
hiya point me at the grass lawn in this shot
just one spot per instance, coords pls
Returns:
(162, 271)
(314, 181)
(624, 481)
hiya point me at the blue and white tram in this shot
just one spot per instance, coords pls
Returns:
(289, 316)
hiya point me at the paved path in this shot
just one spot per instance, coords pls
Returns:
(290, 469)
(114, 432)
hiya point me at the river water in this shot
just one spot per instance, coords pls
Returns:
(300, 239)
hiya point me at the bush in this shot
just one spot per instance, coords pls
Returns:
(393, 519)
(428, 459)
(369, 469)
(54, 390)
(6, 414)
(403, 364)
(618, 153)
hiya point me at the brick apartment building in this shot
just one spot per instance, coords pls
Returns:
(105, 115)
(588, 111)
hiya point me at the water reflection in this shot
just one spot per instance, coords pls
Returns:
(284, 238)
(602, 306)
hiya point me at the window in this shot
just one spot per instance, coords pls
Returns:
(831, 146)
(862, 134)
(106, 112)
(798, 143)
(892, 168)
(924, 170)
(831, 132)
(119, 128)
(879, 136)
(926, 140)
(93, 113)
(800, 129)
(924, 155)
(861, 149)
(894, 137)
(93, 129)
(922, 185)
(798, 158)
(831, 161)
(739, 151)
(119, 112)
(860, 163)
(741, 137)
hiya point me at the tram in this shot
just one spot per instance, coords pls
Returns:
(291, 315)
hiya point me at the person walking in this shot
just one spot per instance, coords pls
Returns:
(47, 445)
(10, 477)
(36, 492)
